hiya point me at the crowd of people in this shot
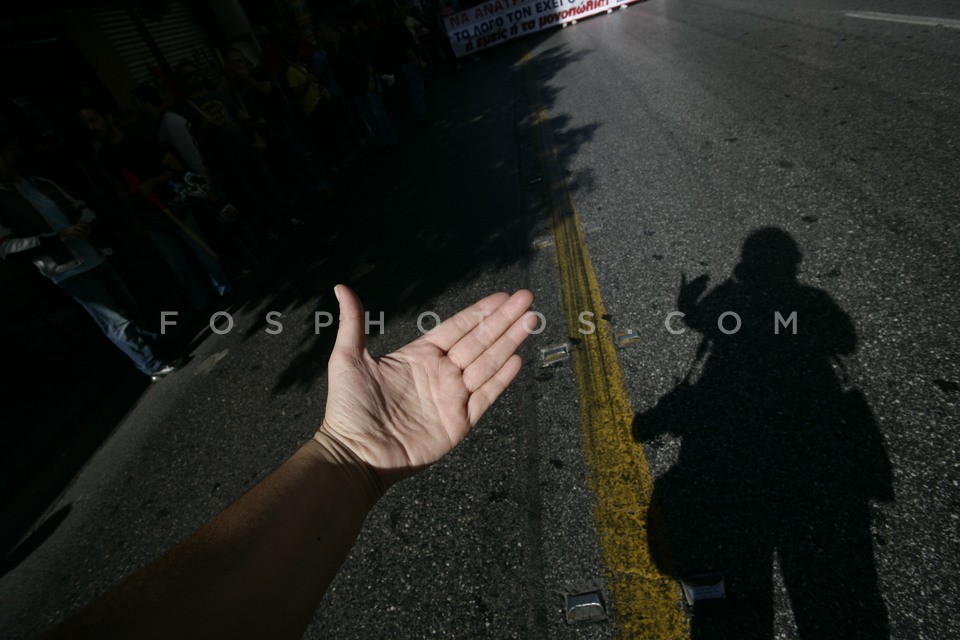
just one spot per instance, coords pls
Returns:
(210, 167)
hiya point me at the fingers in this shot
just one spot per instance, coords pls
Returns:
(482, 398)
(350, 333)
(488, 331)
(451, 330)
(491, 360)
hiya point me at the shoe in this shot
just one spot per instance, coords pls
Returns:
(165, 370)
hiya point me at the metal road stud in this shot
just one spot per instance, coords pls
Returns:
(625, 337)
(590, 227)
(584, 607)
(703, 586)
(543, 243)
(552, 355)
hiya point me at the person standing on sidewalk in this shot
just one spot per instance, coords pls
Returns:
(39, 221)
(236, 155)
(362, 83)
(402, 57)
(264, 100)
(218, 219)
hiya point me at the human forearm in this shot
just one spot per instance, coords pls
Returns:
(259, 569)
(244, 575)
(10, 244)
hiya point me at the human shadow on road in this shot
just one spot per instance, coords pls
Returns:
(779, 458)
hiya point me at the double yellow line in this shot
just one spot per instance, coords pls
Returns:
(646, 603)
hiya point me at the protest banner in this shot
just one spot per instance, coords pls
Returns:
(496, 21)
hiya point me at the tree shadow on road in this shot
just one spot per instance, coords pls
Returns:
(444, 209)
(780, 457)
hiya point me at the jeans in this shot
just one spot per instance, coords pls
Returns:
(249, 184)
(375, 115)
(175, 245)
(286, 148)
(108, 301)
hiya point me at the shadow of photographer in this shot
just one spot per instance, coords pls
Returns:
(780, 456)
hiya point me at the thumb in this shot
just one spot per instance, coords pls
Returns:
(350, 333)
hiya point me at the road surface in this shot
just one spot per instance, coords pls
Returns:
(598, 165)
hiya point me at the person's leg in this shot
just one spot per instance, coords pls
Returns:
(97, 291)
(244, 239)
(172, 250)
(219, 280)
(305, 171)
(362, 108)
(258, 176)
(344, 118)
(331, 134)
(241, 242)
(232, 174)
(830, 573)
(383, 128)
(126, 302)
(411, 72)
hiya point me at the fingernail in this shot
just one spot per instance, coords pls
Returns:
(336, 292)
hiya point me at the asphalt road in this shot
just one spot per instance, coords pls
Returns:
(827, 496)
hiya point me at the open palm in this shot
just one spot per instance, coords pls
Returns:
(404, 411)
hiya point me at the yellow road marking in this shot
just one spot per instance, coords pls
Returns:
(646, 603)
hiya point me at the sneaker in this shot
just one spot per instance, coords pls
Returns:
(165, 370)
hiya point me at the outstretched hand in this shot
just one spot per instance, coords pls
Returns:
(406, 410)
(260, 568)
